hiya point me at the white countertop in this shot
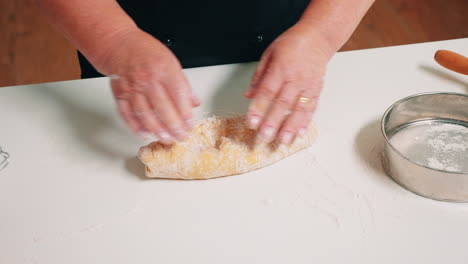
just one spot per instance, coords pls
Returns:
(74, 192)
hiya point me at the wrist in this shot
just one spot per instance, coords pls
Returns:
(316, 39)
(334, 20)
(103, 54)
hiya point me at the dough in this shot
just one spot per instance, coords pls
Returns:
(217, 146)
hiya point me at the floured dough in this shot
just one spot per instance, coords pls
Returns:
(218, 146)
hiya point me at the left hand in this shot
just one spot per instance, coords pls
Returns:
(287, 84)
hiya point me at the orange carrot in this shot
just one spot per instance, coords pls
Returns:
(452, 61)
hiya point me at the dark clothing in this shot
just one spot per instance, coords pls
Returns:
(211, 32)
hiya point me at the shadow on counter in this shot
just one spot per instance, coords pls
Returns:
(229, 98)
(369, 145)
(439, 73)
(93, 126)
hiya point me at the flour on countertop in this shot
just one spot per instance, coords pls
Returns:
(438, 146)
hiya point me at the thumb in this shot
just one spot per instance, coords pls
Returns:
(195, 101)
(259, 72)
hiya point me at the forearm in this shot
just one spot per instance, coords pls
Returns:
(89, 24)
(334, 20)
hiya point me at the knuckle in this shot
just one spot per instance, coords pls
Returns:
(272, 69)
(314, 96)
(153, 127)
(127, 90)
(167, 116)
(256, 78)
(140, 73)
(267, 91)
(273, 121)
(179, 91)
(292, 83)
(301, 108)
(124, 95)
(293, 89)
(155, 95)
(144, 114)
(174, 126)
(142, 80)
(290, 123)
(140, 84)
(283, 100)
(292, 76)
(288, 129)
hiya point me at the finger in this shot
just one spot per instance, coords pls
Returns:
(297, 123)
(180, 92)
(195, 101)
(305, 122)
(124, 106)
(166, 111)
(281, 106)
(148, 119)
(259, 73)
(125, 111)
(268, 89)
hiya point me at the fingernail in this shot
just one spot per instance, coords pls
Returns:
(195, 96)
(302, 132)
(147, 136)
(267, 133)
(165, 137)
(286, 138)
(195, 101)
(180, 134)
(253, 122)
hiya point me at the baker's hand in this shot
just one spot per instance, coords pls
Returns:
(153, 95)
(287, 84)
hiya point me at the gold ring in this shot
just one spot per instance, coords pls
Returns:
(303, 99)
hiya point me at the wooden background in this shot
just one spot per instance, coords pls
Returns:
(32, 52)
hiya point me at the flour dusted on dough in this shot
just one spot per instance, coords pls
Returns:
(218, 146)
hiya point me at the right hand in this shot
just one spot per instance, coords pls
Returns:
(152, 93)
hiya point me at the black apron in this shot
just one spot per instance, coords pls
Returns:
(211, 32)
